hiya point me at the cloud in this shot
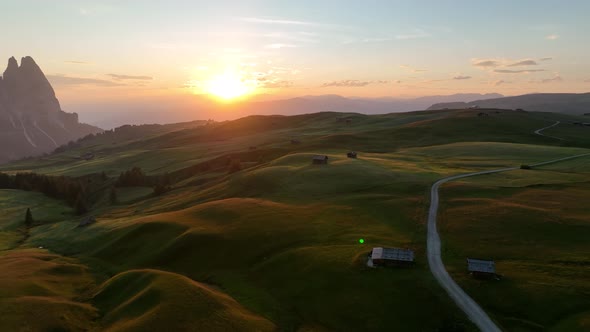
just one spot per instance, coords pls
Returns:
(279, 46)
(78, 62)
(526, 71)
(276, 84)
(80, 81)
(412, 34)
(587, 81)
(376, 39)
(485, 63)
(461, 77)
(130, 77)
(277, 21)
(417, 33)
(352, 83)
(546, 59)
(552, 37)
(556, 78)
(523, 63)
(300, 37)
(432, 81)
(500, 82)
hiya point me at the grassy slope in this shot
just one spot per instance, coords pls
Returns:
(535, 225)
(140, 300)
(41, 291)
(281, 236)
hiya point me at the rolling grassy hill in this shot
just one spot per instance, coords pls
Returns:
(535, 225)
(273, 245)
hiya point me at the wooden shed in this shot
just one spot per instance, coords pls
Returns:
(392, 256)
(87, 156)
(351, 154)
(481, 268)
(319, 160)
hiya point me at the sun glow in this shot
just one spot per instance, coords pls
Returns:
(229, 86)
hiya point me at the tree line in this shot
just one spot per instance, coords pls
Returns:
(71, 190)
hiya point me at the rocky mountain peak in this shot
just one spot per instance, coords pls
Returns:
(11, 69)
(31, 119)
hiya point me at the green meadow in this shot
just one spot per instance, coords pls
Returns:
(272, 244)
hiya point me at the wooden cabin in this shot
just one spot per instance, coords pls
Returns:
(319, 160)
(351, 154)
(481, 268)
(392, 257)
(87, 156)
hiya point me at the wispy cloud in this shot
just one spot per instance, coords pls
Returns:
(500, 82)
(352, 83)
(552, 37)
(277, 21)
(523, 63)
(276, 84)
(299, 37)
(461, 77)
(59, 79)
(587, 81)
(556, 78)
(280, 45)
(433, 81)
(501, 65)
(526, 71)
(130, 77)
(417, 33)
(78, 62)
(485, 63)
(413, 34)
(546, 59)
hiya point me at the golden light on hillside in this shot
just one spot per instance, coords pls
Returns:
(229, 86)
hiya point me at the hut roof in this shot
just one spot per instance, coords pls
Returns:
(395, 254)
(480, 265)
(320, 157)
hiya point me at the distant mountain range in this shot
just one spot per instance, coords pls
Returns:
(335, 103)
(31, 120)
(110, 114)
(571, 103)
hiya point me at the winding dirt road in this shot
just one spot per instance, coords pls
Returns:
(474, 312)
(538, 131)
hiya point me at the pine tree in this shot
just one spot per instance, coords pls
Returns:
(29, 218)
(113, 196)
(81, 207)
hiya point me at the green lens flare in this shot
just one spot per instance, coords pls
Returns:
(361, 241)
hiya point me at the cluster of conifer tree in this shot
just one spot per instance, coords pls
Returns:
(136, 178)
(71, 190)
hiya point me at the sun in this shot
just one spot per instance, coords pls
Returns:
(229, 86)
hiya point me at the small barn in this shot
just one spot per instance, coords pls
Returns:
(351, 154)
(87, 156)
(392, 257)
(320, 160)
(481, 268)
